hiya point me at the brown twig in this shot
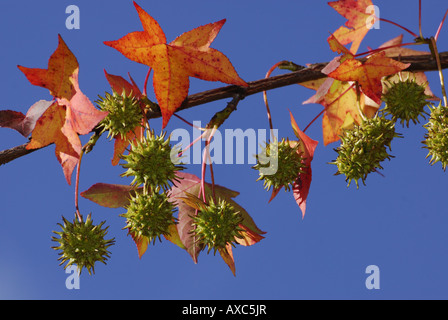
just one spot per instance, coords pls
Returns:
(419, 63)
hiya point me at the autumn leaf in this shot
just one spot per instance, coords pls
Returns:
(369, 73)
(51, 128)
(117, 196)
(24, 124)
(339, 98)
(356, 28)
(397, 51)
(336, 46)
(307, 147)
(73, 113)
(120, 85)
(109, 195)
(227, 256)
(189, 55)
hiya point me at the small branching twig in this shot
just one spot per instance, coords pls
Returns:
(420, 63)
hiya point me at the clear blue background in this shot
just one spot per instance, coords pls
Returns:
(398, 222)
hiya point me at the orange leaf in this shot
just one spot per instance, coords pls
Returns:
(356, 27)
(61, 78)
(189, 55)
(369, 73)
(56, 78)
(73, 113)
(227, 256)
(24, 124)
(419, 77)
(341, 106)
(120, 85)
(52, 128)
(302, 185)
(336, 46)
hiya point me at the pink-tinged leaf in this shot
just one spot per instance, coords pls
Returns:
(188, 183)
(174, 236)
(109, 195)
(419, 77)
(81, 113)
(24, 124)
(302, 185)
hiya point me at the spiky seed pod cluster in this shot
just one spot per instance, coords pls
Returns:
(124, 114)
(217, 224)
(364, 147)
(151, 163)
(149, 215)
(82, 243)
(405, 101)
(436, 139)
(279, 164)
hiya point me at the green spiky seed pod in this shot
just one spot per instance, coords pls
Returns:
(436, 139)
(364, 147)
(405, 101)
(82, 244)
(124, 114)
(217, 225)
(150, 162)
(149, 216)
(279, 164)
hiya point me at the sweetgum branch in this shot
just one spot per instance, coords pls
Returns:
(420, 63)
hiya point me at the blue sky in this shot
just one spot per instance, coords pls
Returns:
(398, 222)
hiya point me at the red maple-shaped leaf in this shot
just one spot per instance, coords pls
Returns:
(73, 113)
(369, 73)
(359, 19)
(189, 55)
(307, 147)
